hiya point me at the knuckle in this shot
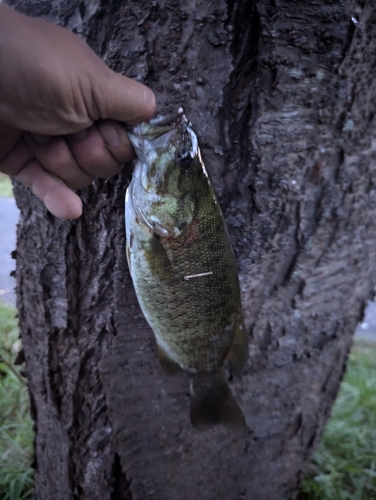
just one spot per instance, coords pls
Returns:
(58, 157)
(91, 157)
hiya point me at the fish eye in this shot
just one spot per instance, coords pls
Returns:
(185, 160)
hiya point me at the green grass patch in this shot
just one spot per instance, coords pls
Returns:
(6, 189)
(16, 434)
(344, 466)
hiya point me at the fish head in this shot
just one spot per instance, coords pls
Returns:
(164, 191)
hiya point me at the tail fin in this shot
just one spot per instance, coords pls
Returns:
(212, 403)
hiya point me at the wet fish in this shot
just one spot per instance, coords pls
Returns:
(183, 267)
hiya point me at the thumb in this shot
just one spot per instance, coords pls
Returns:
(125, 100)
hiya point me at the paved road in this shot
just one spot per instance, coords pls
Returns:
(367, 329)
(8, 220)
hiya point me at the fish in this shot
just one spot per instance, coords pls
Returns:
(183, 267)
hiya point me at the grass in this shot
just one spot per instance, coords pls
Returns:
(6, 189)
(343, 468)
(16, 435)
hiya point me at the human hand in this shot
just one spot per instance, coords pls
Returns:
(61, 111)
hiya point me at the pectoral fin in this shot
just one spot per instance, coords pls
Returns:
(157, 258)
(238, 353)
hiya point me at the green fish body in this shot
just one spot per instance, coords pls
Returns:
(183, 267)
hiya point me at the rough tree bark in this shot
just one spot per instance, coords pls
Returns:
(282, 94)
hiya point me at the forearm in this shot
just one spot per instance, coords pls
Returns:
(12, 23)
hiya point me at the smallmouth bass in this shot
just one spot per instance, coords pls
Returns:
(183, 267)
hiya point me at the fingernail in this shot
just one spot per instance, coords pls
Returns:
(110, 135)
(42, 139)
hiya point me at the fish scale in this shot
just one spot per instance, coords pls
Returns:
(183, 267)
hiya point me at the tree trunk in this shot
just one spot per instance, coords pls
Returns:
(282, 95)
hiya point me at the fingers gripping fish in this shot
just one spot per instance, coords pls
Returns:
(183, 267)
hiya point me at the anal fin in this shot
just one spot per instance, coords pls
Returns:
(238, 353)
(169, 365)
(128, 254)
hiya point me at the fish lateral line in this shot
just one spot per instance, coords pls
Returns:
(200, 275)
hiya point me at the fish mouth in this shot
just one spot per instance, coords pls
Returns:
(176, 122)
(161, 125)
(173, 119)
(160, 132)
